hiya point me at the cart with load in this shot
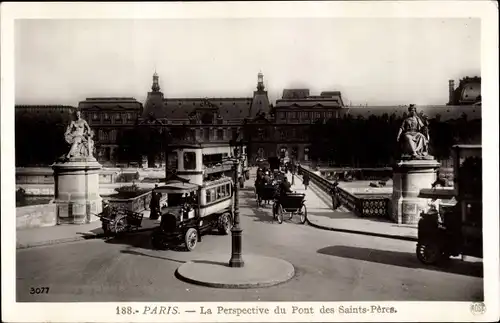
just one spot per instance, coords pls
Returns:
(116, 219)
(292, 203)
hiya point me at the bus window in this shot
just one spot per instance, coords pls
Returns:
(189, 160)
(172, 160)
(208, 197)
(219, 192)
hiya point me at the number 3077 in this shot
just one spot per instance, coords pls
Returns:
(39, 290)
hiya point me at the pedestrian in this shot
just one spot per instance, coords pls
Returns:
(334, 193)
(305, 180)
(154, 204)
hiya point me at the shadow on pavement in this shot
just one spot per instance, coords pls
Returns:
(402, 259)
(140, 240)
(91, 234)
(136, 253)
(261, 215)
(331, 214)
(219, 263)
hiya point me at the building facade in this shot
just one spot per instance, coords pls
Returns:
(128, 131)
(201, 119)
(110, 118)
(285, 131)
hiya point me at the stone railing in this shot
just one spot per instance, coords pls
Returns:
(363, 205)
(45, 175)
(35, 216)
(135, 204)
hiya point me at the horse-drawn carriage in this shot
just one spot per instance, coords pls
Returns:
(292, 203)
(265, 192)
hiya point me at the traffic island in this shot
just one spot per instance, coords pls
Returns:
(258, 271)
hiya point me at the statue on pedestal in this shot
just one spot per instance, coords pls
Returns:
(413, 136)
(79, 135)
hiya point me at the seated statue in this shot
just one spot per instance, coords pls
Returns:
(413, 136)
(79, 135)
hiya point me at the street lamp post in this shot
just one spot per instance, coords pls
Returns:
(293, 171)
(236, 258)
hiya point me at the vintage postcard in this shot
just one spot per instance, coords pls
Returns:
(250, 161)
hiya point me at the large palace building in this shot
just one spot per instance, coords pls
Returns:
(281, 129)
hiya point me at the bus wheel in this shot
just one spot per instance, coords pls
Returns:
(429, 253)
(191, 239)
(225, 224)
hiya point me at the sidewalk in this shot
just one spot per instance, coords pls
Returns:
(321, 215)
(69, 233)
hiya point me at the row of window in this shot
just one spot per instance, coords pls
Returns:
(189, 158)
(201, 104)
(117, 117)
(305, 115)
(208, 134)
(217, 193)
(284, 134)
(107, 135)
(261, 152)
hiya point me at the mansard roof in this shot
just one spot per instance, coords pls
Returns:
(181, 108)
(111, 98)
(110, 103)
(446, 112)
(309, 103)
(43, 109)
(292, 94)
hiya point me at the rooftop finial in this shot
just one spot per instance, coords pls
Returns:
(156, 84)
(260, 81)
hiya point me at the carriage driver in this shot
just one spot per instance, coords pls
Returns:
(285, 187)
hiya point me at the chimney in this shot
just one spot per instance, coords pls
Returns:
(451, 89)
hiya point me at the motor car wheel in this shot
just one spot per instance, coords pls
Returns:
(191, 239)
(429, 253)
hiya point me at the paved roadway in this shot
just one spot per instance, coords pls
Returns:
(330, 266)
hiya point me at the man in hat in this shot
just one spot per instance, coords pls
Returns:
(334, 193)
(154, 205)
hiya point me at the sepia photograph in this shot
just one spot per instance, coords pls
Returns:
(331, 164)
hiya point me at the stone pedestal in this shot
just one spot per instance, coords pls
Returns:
(77, 190)
(409, 177)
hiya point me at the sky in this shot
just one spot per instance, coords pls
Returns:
(375, 61)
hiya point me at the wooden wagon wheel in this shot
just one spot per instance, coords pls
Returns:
(120, 223)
